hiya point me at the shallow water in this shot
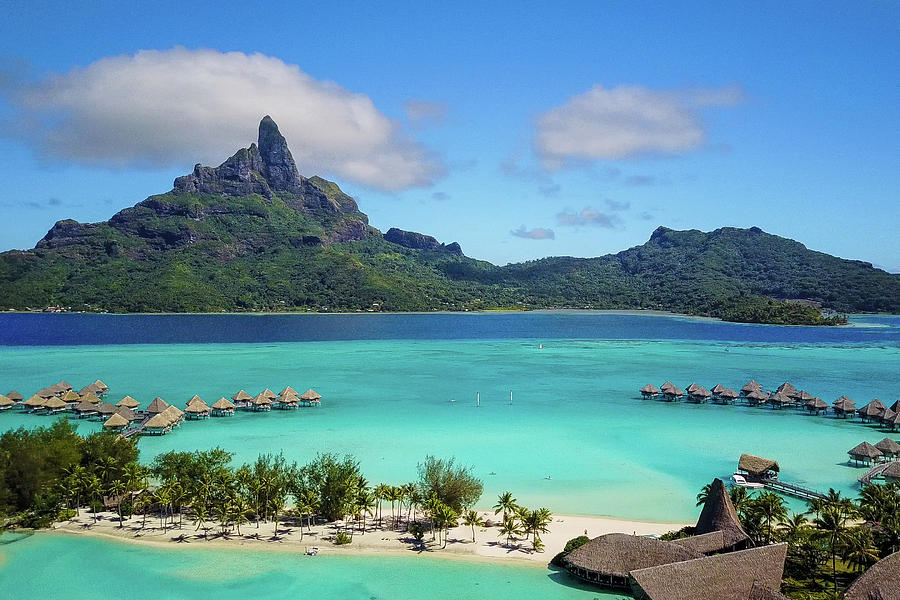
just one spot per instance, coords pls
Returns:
(30, 568)
(574, 416)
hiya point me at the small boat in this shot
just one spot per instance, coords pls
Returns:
(312, 551)
(739, 480)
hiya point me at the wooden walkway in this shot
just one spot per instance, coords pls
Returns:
(873, 473)
(135, 429)
(793, 490)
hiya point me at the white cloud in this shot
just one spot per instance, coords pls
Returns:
(589, 216)
(625, 121)
(181, 106)
(538, 233)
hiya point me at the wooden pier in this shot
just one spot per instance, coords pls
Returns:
(873, 473)
(790, 489)
(136, 428)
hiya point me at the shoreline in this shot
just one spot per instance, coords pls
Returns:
(489, 546)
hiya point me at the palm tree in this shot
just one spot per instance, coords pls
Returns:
(276, 503)
(395, 494)
(704, 494)
(117, 490)
(95, 490)
(770, 506)
(505, 503)
(860, 549)
(365, 505)
(832, 526)
(739, 498)
(448, 518)
(381, 493)
(239, 513)
(200, 517)
(509, 528)
(472, 519)
(793, 528)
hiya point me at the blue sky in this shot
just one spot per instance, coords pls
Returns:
(520, 130)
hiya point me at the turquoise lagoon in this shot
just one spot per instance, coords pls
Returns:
(399, 387)
(120, 570)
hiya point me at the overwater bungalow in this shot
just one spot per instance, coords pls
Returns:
(45, 393)
(726, 396)
(287, 401)
(288, 391)
(6, 403)
(672, 394)
(751, 386)
(879, 582)
(889, 448)
(755, 397)
(753, 574)
(268, 394)
(174, 414)
(757, 468)
(894, 422)
(90, 397)
(788, 390)
(197, 409)
(816, 405)
(667, 386)
(194, 398)
(779, 400)
(54, 405)
(700, 394)
(892, 472)
(85, 409)
(128, 402)
(310, 397)
(242, 397)
(71, 398)
(115, 423)
(61, 388)
(158, 424)
(34, 403)
(15, 396)
(222, 408)
(106, 410)
(126, 413)
(872, 410)
(718, 389)
(157, 406)
(887, 417)
(844, 406)
(692, 388)
(865, 453)
(261, 403)
(100, 387)
(895, 406)
(649, 391)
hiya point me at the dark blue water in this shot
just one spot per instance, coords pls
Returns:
(87, 329)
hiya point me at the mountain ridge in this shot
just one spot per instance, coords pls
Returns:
(254, 234)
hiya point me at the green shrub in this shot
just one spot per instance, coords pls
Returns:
(578, 542)
(342, 538)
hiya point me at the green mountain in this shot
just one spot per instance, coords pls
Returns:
(253, 234)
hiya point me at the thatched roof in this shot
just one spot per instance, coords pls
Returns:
(817, 404)
(288, 398)
(310, 395)
(106, 409)
(195, 398)
(116, 420)
(895, 420)
(128, 402)
(887, 416)
(54, 403)
(45, 393)
(700, 392)
(718, 388)
(872, 409)
(261, 400)
(888, 446)
(222, 404)
(756, 395)
(719, 514)
(88, 389)
(158, 421)
(880, 582)
(845, 404)
(100, 385)
(779, 398)
(157, 406)
(197, 408)
(15, 396)
(85, 406)
(805, 396)
(727, 393)
(126, 413)
(896, 406)
(673, 391)
(730, 576)
(893, 471)
(71, 396)
(619, 553)
(242, 396)
(90, 397)
(757, 465)
(5, 401)
(705, 543)
(751, 386)
(650, 389)
(288, 391)
(865, 450)
(761, 592)
(34, 401)
(172, 414)
(692, 388)
(667, 386)
(788, 390)
(268, 394)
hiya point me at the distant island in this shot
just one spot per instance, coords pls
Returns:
(254, 235)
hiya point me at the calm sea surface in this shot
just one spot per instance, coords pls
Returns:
(399, 387)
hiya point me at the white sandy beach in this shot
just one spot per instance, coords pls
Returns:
(489, 545)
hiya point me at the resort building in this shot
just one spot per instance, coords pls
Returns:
(757, 468)
(880, 582)
(310, 397)
(222, 408)
(865, 453)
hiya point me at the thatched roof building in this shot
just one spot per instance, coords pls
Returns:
(667, 386)
(100, 386)
(872, 410)
(609, 559)
(718, 389)
(649, 390)
(893, 422)
(895, 406)
(5, 402)
(727, 395)
(816, 404)
(892, 471)
(692, 388)
(268, 394)
(844, 405)
(116, 421)
(90, 397)
(197, 409)
(788, 390)
(865, 452)
(673, 392)
(779, 400)
(62, 387)
(242, 396)
(261, 402)
(128, 402)
(805, 396)
(106, 409)
(194, 398)
(311, 396)
(126, 413)
(758, 466)
(157, 406)
(286, 401)
(34, 402)
(889, 447)
(55, 404)
(70, 397)
(85, 408)
(288, 391)
(887, 416)
(158, 424)
(751, 386)
(700, 393)
(744, 575)
(45, 393)
(755, 397)
(221, 408)
(719, 515)
(880, 582)
(15, 396)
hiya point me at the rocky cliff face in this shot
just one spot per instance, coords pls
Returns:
(420, 241)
